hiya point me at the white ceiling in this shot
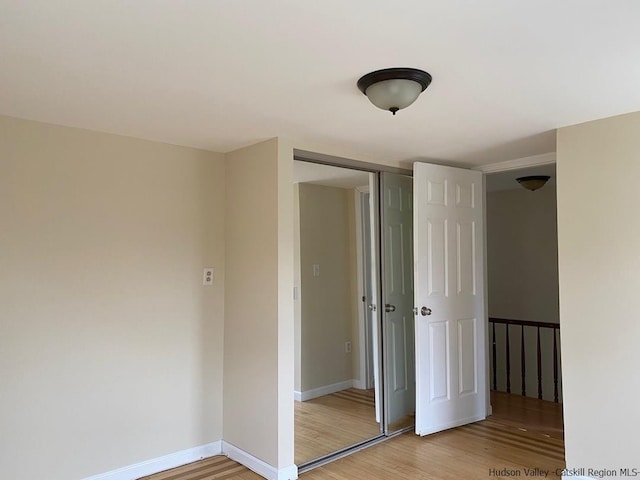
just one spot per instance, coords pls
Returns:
(223, 74)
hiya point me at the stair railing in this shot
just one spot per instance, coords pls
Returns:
(523, 364)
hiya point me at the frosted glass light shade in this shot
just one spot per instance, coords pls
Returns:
(393, 89)
(394, 94)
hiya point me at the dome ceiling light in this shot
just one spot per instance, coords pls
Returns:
(533, 182)
(394, 88)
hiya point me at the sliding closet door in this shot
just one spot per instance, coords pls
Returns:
(398, 321)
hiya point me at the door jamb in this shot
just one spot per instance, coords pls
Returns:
(364, 328)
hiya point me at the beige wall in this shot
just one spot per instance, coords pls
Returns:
(522, 251)
(297, 312)
(285, 371)
(110, 347)
(599, 235)
(251, 301)
(116, 357)
(258, 335)
(326, 300)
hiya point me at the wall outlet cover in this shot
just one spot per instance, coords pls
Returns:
(207, 276)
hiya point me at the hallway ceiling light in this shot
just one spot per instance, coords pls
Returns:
(394, 88)
(533, 182)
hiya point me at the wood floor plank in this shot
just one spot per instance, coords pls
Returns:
(521, 434)
(332, 422)
(213, 468)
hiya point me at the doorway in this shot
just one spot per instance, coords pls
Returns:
(522, 266)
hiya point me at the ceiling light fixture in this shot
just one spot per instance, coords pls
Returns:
(533, 182)
(394, 88)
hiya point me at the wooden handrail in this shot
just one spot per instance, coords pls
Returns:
(525, 323)
(522, 324)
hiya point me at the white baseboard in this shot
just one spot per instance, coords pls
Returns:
(359, 384)
(571, 477)
(322, 391)
(159, 464)
(260, 467)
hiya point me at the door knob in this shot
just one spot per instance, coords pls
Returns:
(389, 308)
(372, 307)
(425, 311)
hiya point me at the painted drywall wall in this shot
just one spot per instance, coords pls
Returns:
(258, 335)
(599, 234)
(285, 373)
(326, 243)
(110, 346)
(251, 301)
(522, 269)
(522, 252)
(297, 305)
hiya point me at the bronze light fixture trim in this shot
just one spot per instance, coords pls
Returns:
(533, 182)
(393, 89)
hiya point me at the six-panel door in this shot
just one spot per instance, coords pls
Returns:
(449, 284)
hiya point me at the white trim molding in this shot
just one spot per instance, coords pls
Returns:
(260, 467)
(359, 384)
(569, 477)
(518, 163)
(322, 391)
(160, 464)
(361, 281)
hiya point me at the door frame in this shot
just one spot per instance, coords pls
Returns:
(362, 271)
(516, 164)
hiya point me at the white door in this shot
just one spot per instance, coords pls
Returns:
(397, 214)
(449, 295)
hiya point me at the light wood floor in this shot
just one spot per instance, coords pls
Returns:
(522, 433)
(332, 422)
(528, 413)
